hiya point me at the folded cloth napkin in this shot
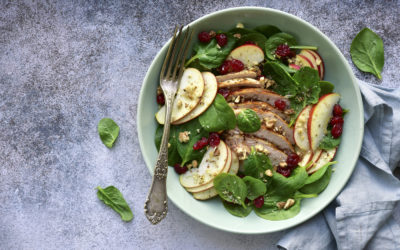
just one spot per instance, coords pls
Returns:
(361, 217)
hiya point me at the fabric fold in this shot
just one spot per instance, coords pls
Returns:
(361, 216)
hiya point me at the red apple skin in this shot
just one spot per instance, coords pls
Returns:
(333, 157)
(318, 157)
(307, 60)
(312, 57)
(294, 66)
(310, 118)
(321, 67)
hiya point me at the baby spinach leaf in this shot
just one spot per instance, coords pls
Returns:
(329, 142)
(318, 186)
(274, 41)
(173, 154)
(304, 47)
(270, 210)
(255, 187)
(210, 55)
(285, 85)
(267, 30)
(113, 198)
(231, 188)
(274, 213)
(287, 186)
(185, 149)
(237, 210)
(308, 82)
(108, 131)
(256, 164)
(367, 52)
(219, 116)
(326, 87)
(248, 121)
(258, 38)
(319, 173)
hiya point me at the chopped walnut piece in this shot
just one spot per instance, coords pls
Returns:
(237, 35)
(289, 111)
(288, 204)
(280, 204)
(159, 90)
(283, 164)
(184, 136)
(195, 164)
(212, 33)
(268, 172)
(269, 123)
(237, 99)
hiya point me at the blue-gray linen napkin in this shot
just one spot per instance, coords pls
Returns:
(361, 216)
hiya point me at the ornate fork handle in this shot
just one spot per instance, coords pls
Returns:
(156, 205)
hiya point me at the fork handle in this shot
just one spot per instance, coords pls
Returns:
(156, 206)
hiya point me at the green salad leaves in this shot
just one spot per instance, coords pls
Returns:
(248, 121)
(113, 198)
(367, 52)
(108, 131)
(219, 116)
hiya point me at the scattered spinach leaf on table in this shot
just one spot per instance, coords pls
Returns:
(108, 131)
(113, 198)
(367, 52)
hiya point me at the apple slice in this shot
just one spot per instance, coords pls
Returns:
(210, 91)
(310, 57)
(303, 61)
(319, 62)
(206, 194)
(326, 156)
(319, 118)
(300, 129)
(211, 184)
(248, 54)
(294, 66)
(211, 165)
(317, 154)
(190, 91)
(211, 192)
(306, 158)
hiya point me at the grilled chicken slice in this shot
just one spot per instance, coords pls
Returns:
(241, 74)
(258, 94)
(264, 133)
(259, 105)
(241, 82)
(273, 122)
(241, 145)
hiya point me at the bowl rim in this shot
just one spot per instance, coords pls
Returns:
(358, 145)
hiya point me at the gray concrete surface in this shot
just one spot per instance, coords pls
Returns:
(64, 66)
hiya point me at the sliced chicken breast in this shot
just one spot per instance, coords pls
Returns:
(241, 82)
(258, 94)
(259, 105)
(241, 74)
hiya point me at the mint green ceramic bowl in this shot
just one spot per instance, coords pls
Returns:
(338, 72)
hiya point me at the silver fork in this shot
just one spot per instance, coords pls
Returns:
(156, 205)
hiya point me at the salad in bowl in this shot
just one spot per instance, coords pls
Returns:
(254, 124)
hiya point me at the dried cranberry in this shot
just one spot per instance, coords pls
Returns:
(337, 120)
(200, 143)
(160, 99)
(213, 139)
(259, 201)
(237, 65)
(249, 42)
(284, 171)
(284, 51)
(280, 104)
(222, 39)
(180, 170)
(225, 68)
(224, 92)
(204, 37)
(337, 110)
(337, 130)
(292, 160)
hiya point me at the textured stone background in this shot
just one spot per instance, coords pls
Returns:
(64, 66)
